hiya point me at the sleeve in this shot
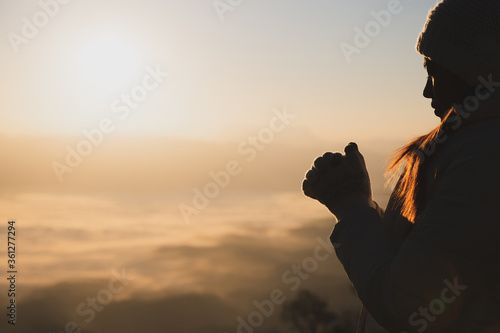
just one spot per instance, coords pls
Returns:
(432, 278)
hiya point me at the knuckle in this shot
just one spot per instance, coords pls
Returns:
(312, 175)
(320, 163)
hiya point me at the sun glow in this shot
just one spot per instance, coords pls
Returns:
(107, 62)
(94, 66)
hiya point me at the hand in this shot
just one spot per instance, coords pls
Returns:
(339, 182)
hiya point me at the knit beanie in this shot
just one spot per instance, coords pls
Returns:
(464, 37)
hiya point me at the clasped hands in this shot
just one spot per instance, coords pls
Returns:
(340, 182)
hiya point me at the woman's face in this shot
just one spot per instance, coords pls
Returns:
(444, 88)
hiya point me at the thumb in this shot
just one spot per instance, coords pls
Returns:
(354, 158)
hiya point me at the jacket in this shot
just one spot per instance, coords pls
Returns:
(441, 273)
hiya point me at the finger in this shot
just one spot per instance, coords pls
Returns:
(351, 147)
(307, 189)
(333, 159)
(354, 158)
(326, 159)
(312, 175)
(321, 163)
(336, 159)
(328, 156)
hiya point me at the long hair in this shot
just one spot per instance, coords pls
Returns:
(413, 159)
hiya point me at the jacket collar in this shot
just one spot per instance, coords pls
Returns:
(476, 109)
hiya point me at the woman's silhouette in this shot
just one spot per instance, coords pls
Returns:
(430, 262)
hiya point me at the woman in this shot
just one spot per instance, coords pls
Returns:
(431, 261)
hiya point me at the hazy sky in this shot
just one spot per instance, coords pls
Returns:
(190, 76)
(224, 76)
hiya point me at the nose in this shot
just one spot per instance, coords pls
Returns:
(428, 90)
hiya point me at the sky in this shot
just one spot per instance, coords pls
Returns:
(224, 76)
(169, 139)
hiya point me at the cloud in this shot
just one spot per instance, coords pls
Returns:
(153, 165)
(50, 309)
(193, 288)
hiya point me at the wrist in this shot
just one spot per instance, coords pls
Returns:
(344, 207)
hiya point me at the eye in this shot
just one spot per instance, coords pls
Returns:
(431, 69)
(429, 84)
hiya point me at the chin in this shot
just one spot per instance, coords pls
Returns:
(440, 113)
